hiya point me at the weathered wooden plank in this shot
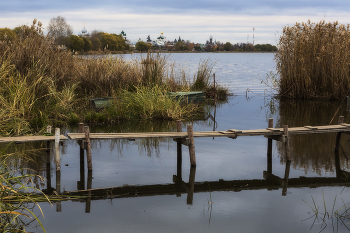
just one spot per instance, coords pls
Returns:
(24, 139)
(229, 133)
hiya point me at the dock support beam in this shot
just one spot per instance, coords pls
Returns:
(337, 139)
(191, 145)
(285, 129)
(88, 148)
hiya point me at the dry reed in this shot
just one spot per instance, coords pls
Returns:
(313, 61)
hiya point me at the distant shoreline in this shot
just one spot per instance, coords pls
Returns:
(163, 51)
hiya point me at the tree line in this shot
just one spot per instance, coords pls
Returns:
(62, 33)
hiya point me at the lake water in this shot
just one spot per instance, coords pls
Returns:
(252, 206)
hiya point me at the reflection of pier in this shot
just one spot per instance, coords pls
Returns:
(179, 187)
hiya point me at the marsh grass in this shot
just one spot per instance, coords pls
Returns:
(151, 103)
(42, 84)
(17, 197)
(313, 61)
(337, 216)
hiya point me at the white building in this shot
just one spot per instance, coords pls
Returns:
(161, 40)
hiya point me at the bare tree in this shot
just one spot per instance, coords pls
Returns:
(59, 29)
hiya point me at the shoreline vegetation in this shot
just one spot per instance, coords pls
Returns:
(313, 61)
(41, 84)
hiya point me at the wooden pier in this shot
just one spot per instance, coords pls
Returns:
(232, 133)
(269, 182)
(187, 138)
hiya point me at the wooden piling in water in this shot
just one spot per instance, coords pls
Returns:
(57, 149)
(191, 145)
(285, 130)
(88, 148)
(269, 148)
(337, 139)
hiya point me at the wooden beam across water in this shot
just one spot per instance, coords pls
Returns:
(23, 139)
(229, 133)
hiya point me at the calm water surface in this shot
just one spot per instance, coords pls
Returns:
(234, 209)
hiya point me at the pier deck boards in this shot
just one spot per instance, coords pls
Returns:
(24, 139)
(228, 133)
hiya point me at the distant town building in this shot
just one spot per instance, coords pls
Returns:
(123, 34)
(84, 32)
(161, 40)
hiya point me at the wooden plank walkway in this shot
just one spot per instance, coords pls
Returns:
(24, 139)
(229, 133)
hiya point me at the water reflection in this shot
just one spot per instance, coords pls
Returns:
(179, 186)
(314, 152)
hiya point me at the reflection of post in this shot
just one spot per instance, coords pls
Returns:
(179, 151)
(285, 129)
(88, 148)
(337, 139)
(191, 145)
(48, 166)
(191, 186)
(337, 164)
(58, 190)
(57, 149)
(269, 149)
(89, 186)
(285, 179)
(81, 183)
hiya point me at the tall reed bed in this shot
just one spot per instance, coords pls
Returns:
(313, 60)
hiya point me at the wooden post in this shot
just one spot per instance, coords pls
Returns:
(337, 139)
(191, 145)
(285, 129)
(269, 149)
(57, 149)
(191, 186)
(48, 130)
(179, 151)
(88, 148)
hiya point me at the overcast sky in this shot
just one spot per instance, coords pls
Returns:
(195, 20)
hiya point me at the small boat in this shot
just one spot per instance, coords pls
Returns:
(194, 97)
(100, 103)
